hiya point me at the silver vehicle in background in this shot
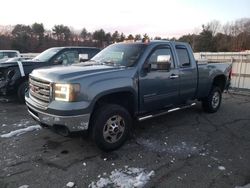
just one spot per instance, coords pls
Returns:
(7, 54)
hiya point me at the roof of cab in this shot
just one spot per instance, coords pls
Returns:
(76, 47)
(155, 42)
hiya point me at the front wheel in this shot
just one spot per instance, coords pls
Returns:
(111, 126)
(21, 91)
(212, 103)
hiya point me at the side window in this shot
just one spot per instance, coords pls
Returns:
(72, 56)
(183, 56)
(161, 59)
(1, 55)
(92, 53)
(11, 54)
(61, 59)
(67, 58)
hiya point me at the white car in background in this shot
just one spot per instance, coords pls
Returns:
(6, 54)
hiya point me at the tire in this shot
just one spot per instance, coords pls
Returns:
(212, 103)
(21, 91)
(111, 126)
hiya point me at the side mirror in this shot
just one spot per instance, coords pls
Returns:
(83, 57)
(163, 62)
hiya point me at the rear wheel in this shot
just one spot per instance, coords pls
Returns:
(111, 126)
(21, 91)
(212, 103)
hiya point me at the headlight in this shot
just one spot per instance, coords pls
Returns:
(66, 92)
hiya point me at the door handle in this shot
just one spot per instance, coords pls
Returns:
(173, 76)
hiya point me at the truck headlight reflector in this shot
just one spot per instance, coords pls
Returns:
(66, 92)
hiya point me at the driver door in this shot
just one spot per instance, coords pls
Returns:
(159, 82)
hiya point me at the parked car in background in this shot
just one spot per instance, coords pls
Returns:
(14, 75)
(6, 54)
(13, 59)
(124, 81)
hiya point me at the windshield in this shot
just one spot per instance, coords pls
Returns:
(46, 55)
(120, 54)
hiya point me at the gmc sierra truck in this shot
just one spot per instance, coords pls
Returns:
(122, 83)
(14, 75)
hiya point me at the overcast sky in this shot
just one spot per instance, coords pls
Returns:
(165, 18)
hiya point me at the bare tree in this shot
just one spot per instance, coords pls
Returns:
(214, 26)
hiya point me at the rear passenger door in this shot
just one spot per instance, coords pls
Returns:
(187, 73)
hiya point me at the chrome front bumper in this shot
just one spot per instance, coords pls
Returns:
(73, 123)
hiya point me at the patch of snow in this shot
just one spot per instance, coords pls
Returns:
(20, 131)
(23, 123)
(244, 186)
(157, 145)
(221, 168)
(214, 158)
(70, 184)
(179, 178)
(84, 164)
(23, 186)
(125, 178)
(4, 125)
(204, 154)
(101, 183)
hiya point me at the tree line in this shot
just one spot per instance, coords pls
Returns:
(213, 37)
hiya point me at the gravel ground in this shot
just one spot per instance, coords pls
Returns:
(188, 148)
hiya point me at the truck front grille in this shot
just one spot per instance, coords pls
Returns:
(39, 90)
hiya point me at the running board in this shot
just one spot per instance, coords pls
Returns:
(164, 112)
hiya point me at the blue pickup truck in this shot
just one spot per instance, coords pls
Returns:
(122, 83)
(14, 74)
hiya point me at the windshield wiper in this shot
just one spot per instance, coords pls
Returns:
(110, 63)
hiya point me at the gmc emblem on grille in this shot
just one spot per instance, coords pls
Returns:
(34, 88)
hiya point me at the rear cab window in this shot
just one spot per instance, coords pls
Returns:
(183, 56)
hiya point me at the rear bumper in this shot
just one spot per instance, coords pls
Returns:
(72, 122)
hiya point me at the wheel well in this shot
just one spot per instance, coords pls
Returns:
(220, 81)
(125, 99)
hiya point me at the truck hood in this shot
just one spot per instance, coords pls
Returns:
(73, 72)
